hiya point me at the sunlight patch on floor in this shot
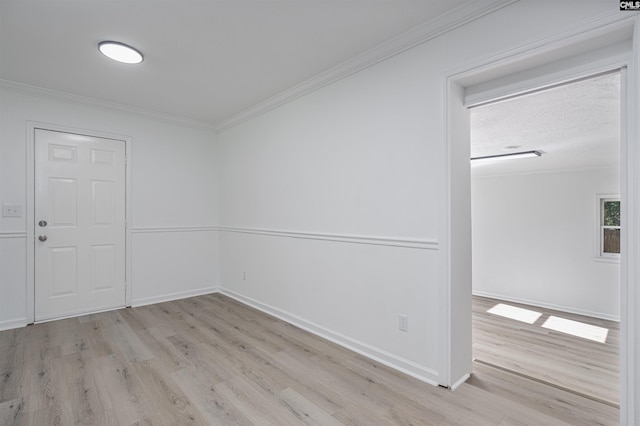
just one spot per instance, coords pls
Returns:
(515, 313)
(576, 328)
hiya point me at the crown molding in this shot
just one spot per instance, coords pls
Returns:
(460, 15)
(456, 17)
(69, 97)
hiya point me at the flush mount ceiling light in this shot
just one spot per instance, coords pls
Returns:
(499, 157)
(120, 52)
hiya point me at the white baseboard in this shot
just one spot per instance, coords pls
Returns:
(460, 381)
(408, 367)
(569, 309)
(174, 296)
(405, 366)
(14, 323)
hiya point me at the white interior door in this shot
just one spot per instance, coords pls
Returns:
(79, 224)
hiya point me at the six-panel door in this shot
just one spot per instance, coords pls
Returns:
(79, 224)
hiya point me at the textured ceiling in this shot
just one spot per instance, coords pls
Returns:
(575, 126)
(204, 60)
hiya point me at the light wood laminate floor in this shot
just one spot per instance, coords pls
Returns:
(561, 359)
(210, 360)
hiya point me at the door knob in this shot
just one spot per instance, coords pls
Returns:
(42, 223)
(42, 238)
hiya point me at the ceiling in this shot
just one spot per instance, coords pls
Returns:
(204, 60)
(575, 126)
(207, 61)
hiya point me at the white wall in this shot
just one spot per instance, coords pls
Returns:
(13, 270)
(534, 241)
(361, 157)
(174, 189)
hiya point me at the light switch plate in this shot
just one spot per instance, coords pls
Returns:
(11, 210)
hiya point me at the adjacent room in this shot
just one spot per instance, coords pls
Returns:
(261, 213)
(546, 246)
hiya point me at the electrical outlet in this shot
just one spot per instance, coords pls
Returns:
(11, 210)
(403, 322)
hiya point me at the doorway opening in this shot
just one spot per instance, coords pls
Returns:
(546, 281)
(505, 75)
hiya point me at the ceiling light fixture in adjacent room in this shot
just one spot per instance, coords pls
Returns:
(525, 154)
(120, 52)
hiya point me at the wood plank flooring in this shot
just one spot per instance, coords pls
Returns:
(560, 359)
(210, 360)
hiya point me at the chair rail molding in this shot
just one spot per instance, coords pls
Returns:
(13, 234)
(165, 229)
(341, 238)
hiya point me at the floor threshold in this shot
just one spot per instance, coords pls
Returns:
(544, 382)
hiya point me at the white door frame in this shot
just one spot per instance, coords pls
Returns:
(30, 208)
(455, 357)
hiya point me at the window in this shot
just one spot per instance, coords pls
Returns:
(609, 227)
